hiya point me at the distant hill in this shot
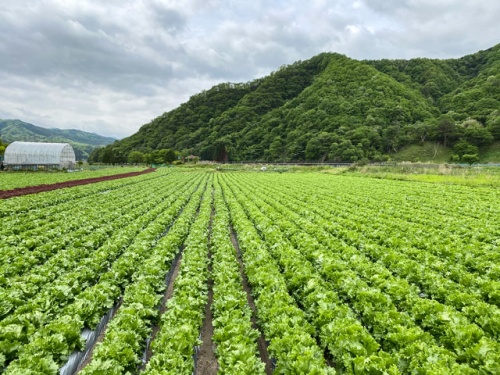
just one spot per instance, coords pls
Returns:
(334, 108)
(83, 142)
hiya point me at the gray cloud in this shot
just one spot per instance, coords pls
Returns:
(112, 66)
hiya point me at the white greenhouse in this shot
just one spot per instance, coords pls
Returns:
(35, 155)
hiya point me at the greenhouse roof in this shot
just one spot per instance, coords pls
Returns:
(23, 153)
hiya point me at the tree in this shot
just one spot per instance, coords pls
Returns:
(159, 156)
(422, 130)
(394, 138)
(108, 156)
(345, 151)
(95, 155)
(277, 149)
(470, 158)
(220, 153)
(149, 158)
(135, 157)
(318, 146)
(352, 154)
(169, 156)
(446, 128)
(494, 127)
(478, 135)
(462, 147)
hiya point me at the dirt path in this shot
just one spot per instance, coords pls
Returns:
(59, 185)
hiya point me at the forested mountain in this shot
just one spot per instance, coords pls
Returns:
(82, 142)
(333, 108)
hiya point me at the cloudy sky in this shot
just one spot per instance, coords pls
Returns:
(111, 66)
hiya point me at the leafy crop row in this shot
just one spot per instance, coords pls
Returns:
(292, 344)
(22, 179)
(23, 206)
(462, 297)
(452, 330)
(85, 228)
(348, 275)
(126, 335)
(467, 220)
(350, 345)
(234, 337)
(173, 347)
(32, 330)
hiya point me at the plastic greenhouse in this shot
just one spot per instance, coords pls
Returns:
(34, 155)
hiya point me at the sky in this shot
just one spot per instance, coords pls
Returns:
(111, 66)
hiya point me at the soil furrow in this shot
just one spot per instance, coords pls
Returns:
(206, 361)
(59, 185)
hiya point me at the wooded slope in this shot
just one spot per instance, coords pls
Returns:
(334, 108)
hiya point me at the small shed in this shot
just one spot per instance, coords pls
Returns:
(36, 155)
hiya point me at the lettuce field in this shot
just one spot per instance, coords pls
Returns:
(202, 272)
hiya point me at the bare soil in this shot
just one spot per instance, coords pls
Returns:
(59, 185)
(261, 341)
(206, 363)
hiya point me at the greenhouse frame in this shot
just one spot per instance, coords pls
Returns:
(36, 155)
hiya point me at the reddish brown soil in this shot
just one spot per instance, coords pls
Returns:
(59, 185)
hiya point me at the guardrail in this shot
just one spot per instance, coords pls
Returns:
(381, 164)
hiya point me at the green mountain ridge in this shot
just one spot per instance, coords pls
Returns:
(334, 108)
(82, 142)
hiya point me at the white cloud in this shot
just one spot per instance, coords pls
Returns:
(112, 66)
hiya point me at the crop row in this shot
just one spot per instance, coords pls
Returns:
(174, 345)
(340, 279)
(87, 226)
(78, 264)
(23, 179)
(234, 337)
(467, 340)
(24, 207)
(475, 295)
(285, 325)
(126, 335)
(86, 293)
(387, 223)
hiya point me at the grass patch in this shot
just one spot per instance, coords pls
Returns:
(264, 168)
(490, 154)
(440, 173)
(424, 152)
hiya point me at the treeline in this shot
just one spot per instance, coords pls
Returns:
(333, 108)
(162, 156)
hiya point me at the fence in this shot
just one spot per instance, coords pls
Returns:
(32, 167)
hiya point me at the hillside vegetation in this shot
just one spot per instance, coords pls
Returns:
(82, 142)
(334, 108)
